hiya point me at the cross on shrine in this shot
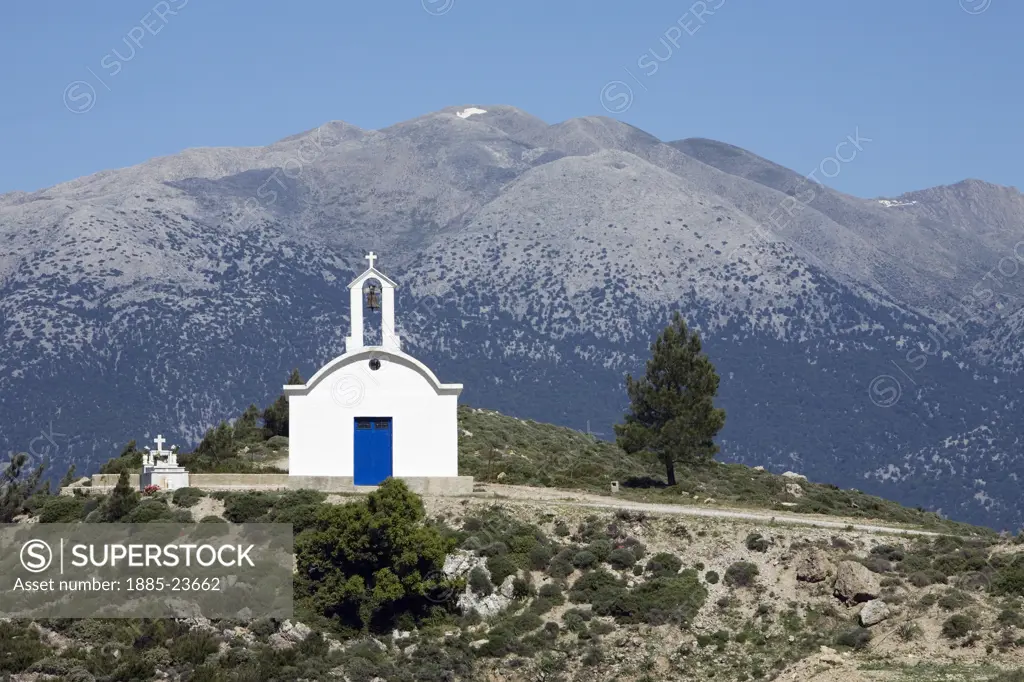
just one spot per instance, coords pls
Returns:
(159, 440)
(371, 257)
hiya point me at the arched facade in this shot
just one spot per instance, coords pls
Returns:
(374, 412)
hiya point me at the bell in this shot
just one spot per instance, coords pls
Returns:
(372, 297)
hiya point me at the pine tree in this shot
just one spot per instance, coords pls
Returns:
(122, 499)
(672, 412)
(275, 417)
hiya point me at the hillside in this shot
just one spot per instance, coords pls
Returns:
(869, 340)
(549, 588)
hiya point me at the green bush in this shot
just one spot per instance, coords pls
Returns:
(193, 647)
(954, 600)
(757, 543)
(741, 574)
(480, 582)
(374, 563)
(588, 585)
(62, 509)
(889, 552)
(958, 625)
(711, 577)
(540, 557)
(246, 507)
(494, 549)
(1009, 579)
(666, 599)
(551, 592)
(19, 648)
(664, 564)
(1011, 617)
(856, 638)
(560, 569)
(926, 578)
(601, 549)
(621, 559)
(908, 632)
(187, 497)
(501, 566)
(638, 569)
(212, 518)
(584, 559)
(149, 511)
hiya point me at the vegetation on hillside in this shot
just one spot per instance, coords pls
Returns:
(578, 597)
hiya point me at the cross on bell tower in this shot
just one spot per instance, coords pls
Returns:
(371, 257)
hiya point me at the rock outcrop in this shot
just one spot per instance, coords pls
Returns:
(854, 582)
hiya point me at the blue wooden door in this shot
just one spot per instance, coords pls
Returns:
(372, 450)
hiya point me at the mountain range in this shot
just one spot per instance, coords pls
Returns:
(871, 343)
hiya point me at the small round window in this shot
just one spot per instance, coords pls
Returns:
(375, 364)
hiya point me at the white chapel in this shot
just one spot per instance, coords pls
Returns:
(374, 411)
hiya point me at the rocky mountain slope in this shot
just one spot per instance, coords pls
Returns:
(862, 341)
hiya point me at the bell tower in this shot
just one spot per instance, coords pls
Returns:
(389, 339)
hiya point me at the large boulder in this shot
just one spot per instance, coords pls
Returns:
(874, 612)
(854, 582)
(813, 567)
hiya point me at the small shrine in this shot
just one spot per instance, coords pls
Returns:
(160, 467)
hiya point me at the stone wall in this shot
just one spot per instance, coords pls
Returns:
(432, 485)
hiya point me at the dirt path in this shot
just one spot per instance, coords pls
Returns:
(554, 496)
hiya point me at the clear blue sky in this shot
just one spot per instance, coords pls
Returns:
(937, 89)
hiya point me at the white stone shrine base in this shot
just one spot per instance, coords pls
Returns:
(431, 485)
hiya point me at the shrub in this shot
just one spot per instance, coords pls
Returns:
(591, 583)
(856, 638)
(149, 511)
(193, 647)
(925, 578)
(1010, 579)
(1010, 617)
(560, 569)
(187, 497)
(521, 589)
(494, 549)
(953, 600)
(551, 591)
(621, 559)
(757, 543)
(638, 548)
(62, 509)
(638, 569)
(480, 582)
(19, 648)
(741, 574)
(584, 559)
(888, 552)
(664, 564)
(601, 549)
(711, 577)
(908, 632)
(540, 557)
(374, 563)
(958, 625)
(500, 567)
(561, 529)
(246, 507)
(673, 599)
